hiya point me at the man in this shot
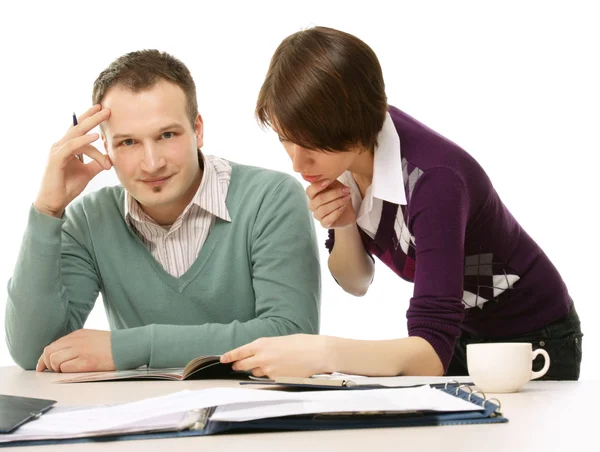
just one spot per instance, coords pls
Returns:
(193, 254)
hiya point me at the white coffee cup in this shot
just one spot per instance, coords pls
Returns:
(503, 367)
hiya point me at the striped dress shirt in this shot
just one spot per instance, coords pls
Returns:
(177, 247)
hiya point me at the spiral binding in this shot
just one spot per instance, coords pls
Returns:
(477, 394)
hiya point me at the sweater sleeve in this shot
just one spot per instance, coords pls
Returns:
(53, 288)
(438, 214)
(284, 263)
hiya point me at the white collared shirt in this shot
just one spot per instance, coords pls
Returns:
(387, 184)
(176, 248)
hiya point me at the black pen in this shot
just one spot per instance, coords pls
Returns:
(79, 156)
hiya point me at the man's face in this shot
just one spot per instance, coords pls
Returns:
(153, 147)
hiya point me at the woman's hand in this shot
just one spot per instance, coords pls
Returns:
(298, 355)
(331, 204)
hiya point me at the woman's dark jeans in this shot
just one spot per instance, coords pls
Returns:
(561, 339)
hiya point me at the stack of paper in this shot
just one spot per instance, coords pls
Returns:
(183, 409)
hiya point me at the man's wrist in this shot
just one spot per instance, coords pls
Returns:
(49, 212)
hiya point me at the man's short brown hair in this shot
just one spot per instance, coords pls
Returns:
(324, 90)
(141, 70)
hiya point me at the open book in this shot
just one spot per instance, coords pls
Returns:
(202, 367)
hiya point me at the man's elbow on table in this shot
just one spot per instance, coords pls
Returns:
(23, 356)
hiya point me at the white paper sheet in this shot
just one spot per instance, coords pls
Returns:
(169, 422)
(392, 381)
(421, 398)
(119, 418)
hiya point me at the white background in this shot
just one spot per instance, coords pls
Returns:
(515, 84)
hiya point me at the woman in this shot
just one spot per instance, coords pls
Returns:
(387, 186)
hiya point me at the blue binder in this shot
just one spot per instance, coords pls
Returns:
(489, 414)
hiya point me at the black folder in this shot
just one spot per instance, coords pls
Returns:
(15, 411)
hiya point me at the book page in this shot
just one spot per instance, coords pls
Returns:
(157, 374)
(202, 362)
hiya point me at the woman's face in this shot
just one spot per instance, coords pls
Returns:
(316, 165)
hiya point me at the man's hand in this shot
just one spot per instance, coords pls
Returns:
(66, 176)
(81, 351)
(298, 355)
(331, 204)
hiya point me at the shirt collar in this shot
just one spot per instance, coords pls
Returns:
(388, 181)
(210, 195)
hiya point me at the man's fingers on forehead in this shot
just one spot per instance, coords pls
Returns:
(94, 120)
(102, 115)
(89, 112)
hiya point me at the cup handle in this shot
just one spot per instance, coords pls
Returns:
(541, 373)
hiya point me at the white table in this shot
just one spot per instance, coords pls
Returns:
(544, 416)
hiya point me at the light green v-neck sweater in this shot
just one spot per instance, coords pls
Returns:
(256, 276)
